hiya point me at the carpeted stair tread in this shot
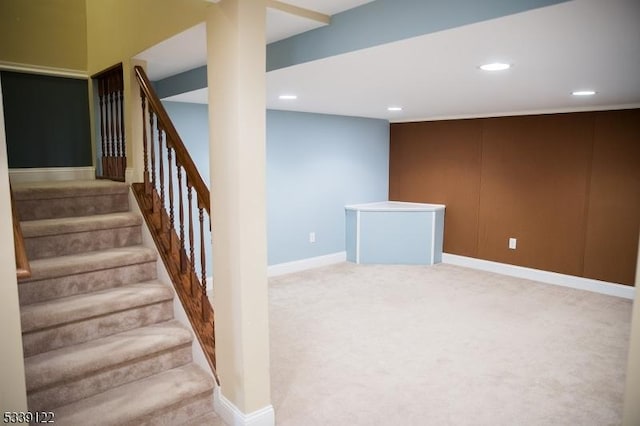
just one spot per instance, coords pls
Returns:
(66, 189)
(76, 361)
(141, 401)
(91, 261)
(66, 310)
(208, 419)
(68, 225)
(99, 339)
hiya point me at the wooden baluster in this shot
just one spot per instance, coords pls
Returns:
(102, 122)
(116, 116)
(161, 164)
(170, 165)
(153, 154)
(145, 148)
(123, 152)
(203, 254)
(203, 258)
(192, 263)
(111, 121)
(183, 260)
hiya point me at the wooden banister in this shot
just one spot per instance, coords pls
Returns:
(172, 182)
(182, 155)
(23, 270)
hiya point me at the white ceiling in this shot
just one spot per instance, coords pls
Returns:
(188, 50)
(582, 44)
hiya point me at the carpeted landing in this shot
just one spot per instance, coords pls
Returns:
(100, 342)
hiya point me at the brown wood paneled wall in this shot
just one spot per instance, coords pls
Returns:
(614, 203)
(438, 162)
(567, 186)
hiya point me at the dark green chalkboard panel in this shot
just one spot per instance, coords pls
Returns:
(46, 120)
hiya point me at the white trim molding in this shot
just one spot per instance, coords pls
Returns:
(304, 264)
(518, 113)
(44, 70)
(547, 277)
(234, 417)
(52, 173)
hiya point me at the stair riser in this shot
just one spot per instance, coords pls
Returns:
(178, 414)
(72, 206)
(81, 242)
(78, 332)
(75, 389)
(42, 290)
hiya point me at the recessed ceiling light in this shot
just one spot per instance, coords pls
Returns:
(288, 97)
(583, 93)
(394, 108)
(495, 66)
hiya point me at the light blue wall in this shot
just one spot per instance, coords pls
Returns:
(315, 165)
(192, 123)
(187, 81)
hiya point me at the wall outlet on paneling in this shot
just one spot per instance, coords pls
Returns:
(312, 237)
(512, 243)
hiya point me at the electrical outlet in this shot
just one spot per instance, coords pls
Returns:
(512, 243)
(312, 237)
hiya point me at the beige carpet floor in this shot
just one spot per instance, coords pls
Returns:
(443, 345)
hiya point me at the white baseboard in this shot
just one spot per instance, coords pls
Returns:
(611, 289)
(232, 416)
(51, 173)
(304, 264)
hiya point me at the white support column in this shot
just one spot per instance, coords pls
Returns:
(237, 114)
(631, 413)
(133, 122)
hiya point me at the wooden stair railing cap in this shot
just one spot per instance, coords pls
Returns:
(23, 270)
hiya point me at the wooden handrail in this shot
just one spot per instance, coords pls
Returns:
(172, 137)
(23, 270)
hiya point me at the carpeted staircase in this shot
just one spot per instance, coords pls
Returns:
(100, 342)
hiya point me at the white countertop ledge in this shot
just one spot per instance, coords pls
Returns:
(394, 206)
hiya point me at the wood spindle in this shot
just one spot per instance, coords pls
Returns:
(111, 116)
(103, 120)
(203, 265)
(143, 100)
(203, 254)
(153, 150)
(192, 271)
(123, 152)
(170, 165)
(116, 116)
(183, 260)
(161, 166)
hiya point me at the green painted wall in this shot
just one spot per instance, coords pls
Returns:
(46, 121)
